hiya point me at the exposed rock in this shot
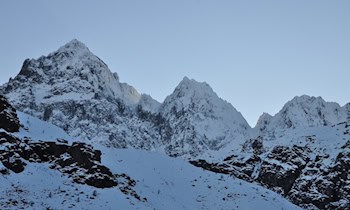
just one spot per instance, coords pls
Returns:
(74, 160)
(12, 162)
(210, 167)
(254, 145)
(8, 116)
(291, 171)
(324, 187)
(282, 167)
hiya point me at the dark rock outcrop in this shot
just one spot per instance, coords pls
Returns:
(311, 182)
(324, 187)
(79, 161)
(282, 167)
(8, 117)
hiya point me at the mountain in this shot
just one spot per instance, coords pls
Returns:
(71, 72)
(200, 120)
(302, 112)
(73, 89)
(302, 152)
(42, 167)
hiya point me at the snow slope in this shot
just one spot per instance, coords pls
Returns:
(166, 183)
(170, 183)
(39, 187)
(37, 129)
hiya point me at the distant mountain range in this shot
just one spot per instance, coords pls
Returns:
(301, 152)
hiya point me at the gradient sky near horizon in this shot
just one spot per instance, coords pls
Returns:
(257, 55)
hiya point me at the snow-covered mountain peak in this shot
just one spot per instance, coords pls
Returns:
(149, 104)
(72, 72)
(305, 111)
(71, 53)
(198, 97)
(190, 94)
(74, 46)
(190, 86)
(201, 120)
(263, 121)
(190, 83)
(304, 100)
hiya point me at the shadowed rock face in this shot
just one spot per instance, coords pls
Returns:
(79, 161)
(8, 117)
(293, 172)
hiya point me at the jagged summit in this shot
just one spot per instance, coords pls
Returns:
(74, 44)
(189, 92)
(306, 99)
(263, 121)
(201, 120)
(149, 104)
(194, 85)
(71, 53)
(187, 82)
(71, 73)
(198, 97)
(304, 111)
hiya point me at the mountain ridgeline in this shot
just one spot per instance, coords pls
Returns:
(75, 90)
(302, 152)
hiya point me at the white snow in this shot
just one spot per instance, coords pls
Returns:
(39, 187)
(171, 183)
(39, 130)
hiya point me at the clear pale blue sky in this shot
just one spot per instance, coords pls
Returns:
(255, 54)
